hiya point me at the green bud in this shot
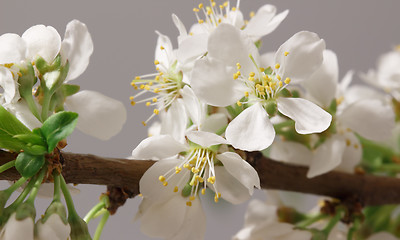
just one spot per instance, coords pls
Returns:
(56, 207)
(79, 228)
(271, 106)
(25, 210)
(45, 67)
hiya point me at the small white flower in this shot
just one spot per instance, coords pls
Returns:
(17, 229)
(53, 229)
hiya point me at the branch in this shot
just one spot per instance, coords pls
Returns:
(125, 174)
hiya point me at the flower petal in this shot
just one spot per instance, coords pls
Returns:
(164, 51)
(240, 169)
(18, 229)
(382, 235)
(101, 116)
(191, 48)
(232, 46)
(291, 152)
(251, 130)
(212, 81)
(157, 148)
(77, 47)
(352, 153)
(153, 189)
(181, 28)
(327, 157)
(214, 122)
(21, 110)
(197, 110)
(205, 139)
(370, 118)
(264, 22)
(322, 84)
(12, 48)
(308, 116)
(174, 121)
(8, 85)
(230, 188)
(53, 229)
(42, 41)
(305, 56)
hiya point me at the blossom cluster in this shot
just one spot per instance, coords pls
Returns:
(218, 96)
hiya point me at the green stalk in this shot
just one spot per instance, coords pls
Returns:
(90, 215)
(16, 185)
(100, 227)
(24, 193)
(376, 146)
(311, 220)
(45, 106)
(57, 194)
(36, 186)
(67, 197)
(32, 106)
(7, 166)
(333, 222)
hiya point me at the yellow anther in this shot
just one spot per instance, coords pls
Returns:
(195, 170)
(246, 94)
(213, 4)
(165, 184)
(148, 104)
(262, 69)
(280, 83)
(133, 84)
(157, 78)
(161, 178)
(186, 166)
(19, 74)
(133, 103)
(356, 146)
(155, 100)
(216, 199)
(252, 14)
(175, 189)
(156, 111)
(192, 198)
(278, 77)
(235, 76)
(348, 142)
(131, 98)
(339, 100)
(239, 103)
(201, 5)
(277, 66)
(196, 10)
(191, 33)
(201, 21)
(162, 48)
(286, 53)
(140, 195)
(251, 79)
(233, 9)
(209, 11)
(211, 180)
(252, 74)
(226, 4)
(200, 179)
(156, 62)
(147, 87)
(238, 66)
(178, 170)
(144, 123)
(137, 78)
(151, 83)
(287, 80)
(221, 6)
(203, 191)
(156, 90)
(189, 204)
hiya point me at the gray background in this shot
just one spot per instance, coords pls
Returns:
(124, 41)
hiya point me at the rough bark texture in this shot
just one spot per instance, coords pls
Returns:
(122, 176)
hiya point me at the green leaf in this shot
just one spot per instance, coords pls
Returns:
(28, 165)
(57, 127)
(9, 127)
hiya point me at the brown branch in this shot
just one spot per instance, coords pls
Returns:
(125, 174)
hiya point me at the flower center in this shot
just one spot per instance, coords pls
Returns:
(165, 83)
(199, 164)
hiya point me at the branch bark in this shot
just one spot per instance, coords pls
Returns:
(125, 174)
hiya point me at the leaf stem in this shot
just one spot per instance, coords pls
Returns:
(67, 197)
(36, 186)
(7, 166)
(100, 227)
(90, 215)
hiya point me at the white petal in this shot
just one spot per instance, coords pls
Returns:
(230, 188)
(291, 152)
(100, 116)
(264, 22)
(157, 147)
(165, 55)
(12, 48)
(305, 56)
(181, 28)
(232, 46)
(352, 153)
(152, 188)
(327, 157)
(381, 236)
(234, 18)
(308, 116)
(370, 118)
(175, 120)
(42, 41)
(191, 48)
(240, 169)
(8, 85)
(251, 130)
(214, 122)
(197, 110)
(268, 59)
(212, 81)
(15, 229)
(156, 221)
(259, 211)
(21, 110)
(53, 229)
(194, 225)
(322, 84)
(77, 47)
(205, 139)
